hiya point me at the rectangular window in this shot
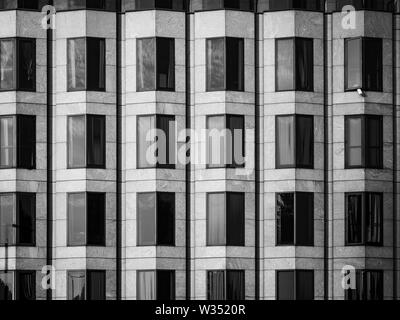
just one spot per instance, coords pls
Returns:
(156, 285)
(364, 141)
(294, 64)
(225, 64)
(364, 219)
(368, 286)
(86, 285)
(295, 141)
(156, 219)
(295, 285)
(63, 5)
(226, 141)
(363, 64)
(276, 5)
(226, 285)
(295, 219)
(86, 66)
(18, 285)
(86, 141)
(7, 286)
(382, 5)
(18, 64)
(245, 5)
(226, 219)
(156, 141)
(86, 219)
(155, 64)
(18, 219)
(178, 5)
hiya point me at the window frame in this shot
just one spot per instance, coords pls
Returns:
(364, 200)
(362, 273)
(104, 227)
(296, 118)
(363, 66)
(294, 39)
(86, 272)
(225, 273)
(295, 275)
(312, 236)
(364, 143)
(15, 275)
(156, 271)
(156, 244)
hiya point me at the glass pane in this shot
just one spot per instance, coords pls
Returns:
(146, 4)
(217, 142)
(96, 215)
(147, 147)
(146, 219)
(165, 64)
(146, 285)
(235, 219)
(285, 285)
(216, 215)
(304, 285)
(69, 4)
(96, 285)
(26, 64)
(76, 67)
(165, 219)
(216, 285)
(373, 62)
(6, 286)
(234, 64)
(146, 64)
(285, 142)
(26, 142)
(7, 220)
(216, 64)
(354, 142)
(373, 285)
(165, 285)
(305, 141)
(8, 4)
(76, 220)
(76, 285)
(7, 64)
(353, 67)
(7, 142)
(374, 219)
(165, 140)
(235, 289)
(354, 219)
(374, 143)
(76, 142)
(96, 141)
(96, 67)
(285, 65)
(304, 64)
(285, 219)
(236, 149)
(95, 4)
(304, 219)
(26, 285)
(26, 204)
(213, 4)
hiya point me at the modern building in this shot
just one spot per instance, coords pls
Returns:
(310, 210)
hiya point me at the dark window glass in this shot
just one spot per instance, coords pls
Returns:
(156, 285)
(156, 219)
(26, 285)
(369, 286)
(86, 285)
(225, 219)
(275, 5)
(26, 134)
(153, 4)
(363, 64)
(226, 285)
(86, 64)
(294, 64)
(246, 5)
(7, 219)
(226, 141)
(86, 219)
(295, 219)
(295, 141)
(96, 285)
(6, 286)
(165, 285)
(155, 64)
(95, 4)
(295, 285)
(364, 142)
(86, 141)
(62, 5)
(382, 5)
(225, 64)
(364, 219)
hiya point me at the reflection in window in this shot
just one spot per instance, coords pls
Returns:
(18, 285)
(364, 219)
(156, 219)
(86, 65)
(156, 285)
(86, 285)
(369, 286)
(364, 141)
(295, 285)
(225, 219)
(155, 64)
(225, 64)
(226, 285)
(295, 219)
(86, 219)
(363, 64)
(6, 286)
(294, 64)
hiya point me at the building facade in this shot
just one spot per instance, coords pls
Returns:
(306, 91)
